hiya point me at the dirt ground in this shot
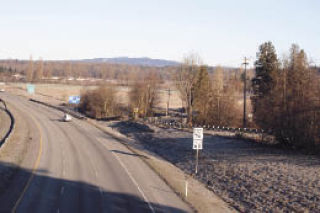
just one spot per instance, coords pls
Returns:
(249, 176)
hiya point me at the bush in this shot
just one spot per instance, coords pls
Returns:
(144, 94)
(100, 102)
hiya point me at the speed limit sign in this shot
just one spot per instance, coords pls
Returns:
(197, 138)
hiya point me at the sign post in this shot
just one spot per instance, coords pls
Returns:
(197, 143)
(135, 113)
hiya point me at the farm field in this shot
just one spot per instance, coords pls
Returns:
(61, 92)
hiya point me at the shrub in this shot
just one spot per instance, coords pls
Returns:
(100, 102)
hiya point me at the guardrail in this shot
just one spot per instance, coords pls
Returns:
(62, 109)
(169, 123)
(175, 124)
(12, 124)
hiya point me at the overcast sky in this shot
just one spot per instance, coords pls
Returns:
(222, 32)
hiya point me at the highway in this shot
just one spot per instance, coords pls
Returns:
(79, 168)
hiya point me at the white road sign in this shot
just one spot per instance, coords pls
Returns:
(197, 133)
(197, 144)
(197, 138)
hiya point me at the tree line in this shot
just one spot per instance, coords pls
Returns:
(42, 70)
(287, 96)
(284, 94)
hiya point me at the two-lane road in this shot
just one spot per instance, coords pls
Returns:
(81, 169)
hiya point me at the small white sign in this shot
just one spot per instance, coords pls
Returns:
(197, 138)
(197, 143)
(197, 133)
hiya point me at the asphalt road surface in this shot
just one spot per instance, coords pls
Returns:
(82, 169)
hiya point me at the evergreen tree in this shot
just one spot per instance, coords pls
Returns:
(266, 64)
(266, 68)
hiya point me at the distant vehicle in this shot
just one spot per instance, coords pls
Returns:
(66, 117)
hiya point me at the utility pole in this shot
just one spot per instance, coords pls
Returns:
(245, 93)
(168, 101)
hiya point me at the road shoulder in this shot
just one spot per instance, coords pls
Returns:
(17, 157)
(198, 196)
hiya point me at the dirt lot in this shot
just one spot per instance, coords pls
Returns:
(251, 177)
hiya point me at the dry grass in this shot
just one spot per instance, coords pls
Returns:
(61, 92)
(199, 197)
(251, 177)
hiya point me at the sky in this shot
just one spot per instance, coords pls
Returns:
(221, 32)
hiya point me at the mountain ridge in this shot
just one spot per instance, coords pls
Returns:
(142, 61)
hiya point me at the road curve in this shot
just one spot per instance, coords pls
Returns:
(82, 169)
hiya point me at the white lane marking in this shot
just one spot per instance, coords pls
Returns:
(134, 181)
(96, 174)
(63, 164)
(62, 190)
(58, 210)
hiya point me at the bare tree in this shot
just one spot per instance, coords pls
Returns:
(68, 69)
(100, 102)
(144, 94)
(29, 74)
(186, 78)
(49, 70)
(39, 71)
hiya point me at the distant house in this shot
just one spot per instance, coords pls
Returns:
(18, 76)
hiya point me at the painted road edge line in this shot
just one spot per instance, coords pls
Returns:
(131, 178)
(35, 167)
(134, 182)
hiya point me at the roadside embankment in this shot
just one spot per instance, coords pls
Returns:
(18, 151)
(188, 188)
(250, 176)
(6, 124)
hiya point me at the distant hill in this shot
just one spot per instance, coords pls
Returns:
(135, 61)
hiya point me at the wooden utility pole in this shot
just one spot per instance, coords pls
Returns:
(168, 101)
(245, 93)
